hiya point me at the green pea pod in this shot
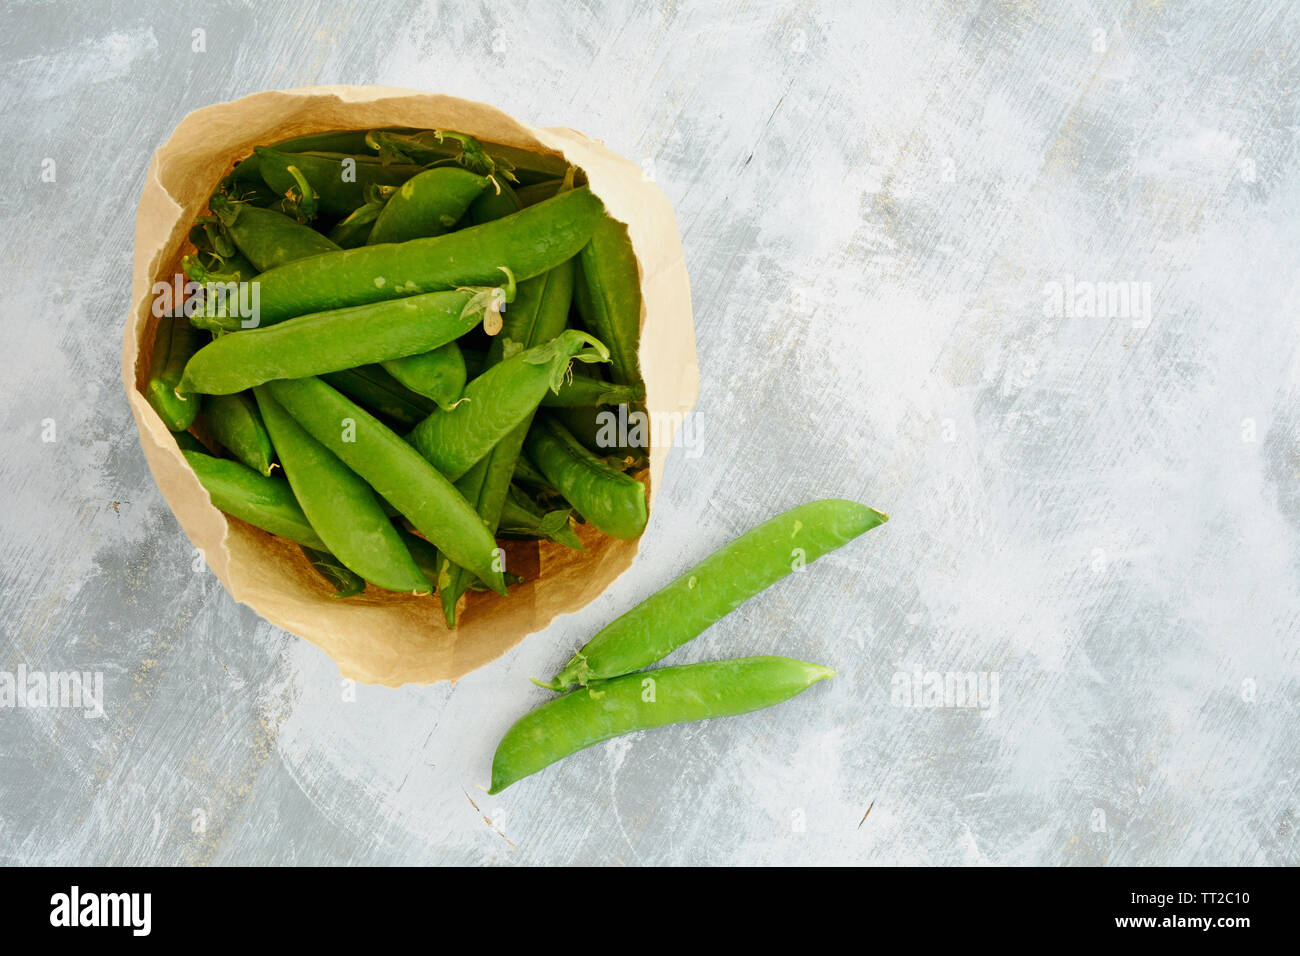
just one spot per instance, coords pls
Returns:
(300, 203)
(498, 401)
(584, 390)
(438, 375)
(497, 201)
(519, 516)
(336, 340)
(527, 243)
(345, 582)
(268, 238)
(266, 503)
(427, 204)
(173, 344)
(612, 501)
(717, 586)
(537, 316)
(235, 422)
(340, 181)
(341, 507)
(379, 392)
(608, 297)
(624, 705)
(353, 231)
(396, 472)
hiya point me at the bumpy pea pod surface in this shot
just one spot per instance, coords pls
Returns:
(498, 401)
(666, 695)
(268, 238)
(396, 472)
(333, 341)
(341, 507)
(610, 500)
(428, 204)
(266, 503)
(236, 424)
(717, 586)
(528, 243)
(173, 345)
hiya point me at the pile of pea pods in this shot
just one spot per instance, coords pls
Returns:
(436, 328)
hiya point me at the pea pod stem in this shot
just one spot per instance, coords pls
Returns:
(715, 587)
(655, 698)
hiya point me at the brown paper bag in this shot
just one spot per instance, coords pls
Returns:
(382, 637)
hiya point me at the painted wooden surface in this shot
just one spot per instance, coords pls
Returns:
(894, 216)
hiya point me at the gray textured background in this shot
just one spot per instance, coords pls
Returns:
(1103, 513)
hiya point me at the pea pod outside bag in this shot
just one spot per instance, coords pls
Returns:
(380, 637)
